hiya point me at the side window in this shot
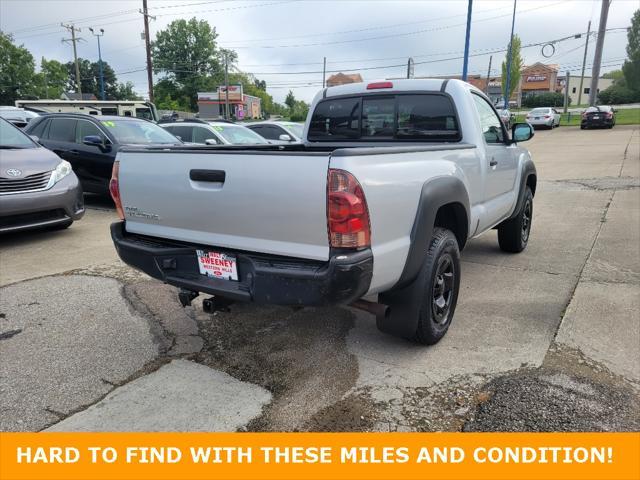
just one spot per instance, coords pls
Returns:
(378, 117)
(335, 120)
(201, 135)
(62, 130)
(84, 129)
(39, 129)
(489, 121)
(182, 131)
(270, 132)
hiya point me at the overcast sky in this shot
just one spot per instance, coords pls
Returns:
(275, 38)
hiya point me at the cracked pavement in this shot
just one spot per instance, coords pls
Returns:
(544, 340)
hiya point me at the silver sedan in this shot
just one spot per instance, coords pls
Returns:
(543, 117)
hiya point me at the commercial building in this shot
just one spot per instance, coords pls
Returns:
(343, 79)
(574, 88)
(211, 105)
(540, 78)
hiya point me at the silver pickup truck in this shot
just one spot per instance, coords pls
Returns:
(390, 182)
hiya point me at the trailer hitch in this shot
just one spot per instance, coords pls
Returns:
(216, 304)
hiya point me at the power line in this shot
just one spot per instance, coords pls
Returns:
(394, 35)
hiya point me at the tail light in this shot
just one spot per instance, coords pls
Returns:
(547, 116)
(584, 114)
(609, 115)
(347, 212)
(114, 189)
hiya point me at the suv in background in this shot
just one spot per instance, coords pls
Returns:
(90, 142)
(213, 133)
(601, 116)
(279, 132)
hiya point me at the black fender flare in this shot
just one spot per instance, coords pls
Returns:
(528, 170)
(402, 319)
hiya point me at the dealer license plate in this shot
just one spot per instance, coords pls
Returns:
(217, 265)
(596, 117)
(537, 118)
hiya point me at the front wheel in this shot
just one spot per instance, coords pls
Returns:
(513, 234)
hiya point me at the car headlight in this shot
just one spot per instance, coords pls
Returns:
(62, 170)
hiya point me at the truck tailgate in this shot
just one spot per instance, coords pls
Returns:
(268, 202)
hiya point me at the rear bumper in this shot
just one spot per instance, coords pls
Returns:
(603, 122)
(261, 278)
(60, 204)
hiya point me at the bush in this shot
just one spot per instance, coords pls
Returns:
(617, 94)
(547, 99)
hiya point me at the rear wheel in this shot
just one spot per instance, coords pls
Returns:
(423, 311)
(513, 234)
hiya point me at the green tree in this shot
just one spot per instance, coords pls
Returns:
(631, 67)
(516, 67)
(125, 91)
(52, 79)
(187, 55)
(290, 101)
(17, 71)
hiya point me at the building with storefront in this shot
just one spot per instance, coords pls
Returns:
(539, 78)
(343, 79)
(211, 105)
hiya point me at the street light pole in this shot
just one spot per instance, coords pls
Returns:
(509, 58)
(465, 62)
(98, 35)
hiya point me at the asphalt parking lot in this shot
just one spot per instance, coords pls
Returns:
(543, 340)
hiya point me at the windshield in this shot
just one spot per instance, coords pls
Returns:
(296, 128)
(13, 137)
(238, 135)
(132, 132)
(540, 110)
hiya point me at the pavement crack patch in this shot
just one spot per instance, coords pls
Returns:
(10, 333)
(300, 356)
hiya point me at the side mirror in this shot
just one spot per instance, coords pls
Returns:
(285, 138)
(210, 141)
(97, 141)
(521, 132)
(93, 140)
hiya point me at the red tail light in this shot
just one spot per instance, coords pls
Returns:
(584, 114)
(376, 85)
(547, 116)
(609, 115)
(347, 212)
(114, 189)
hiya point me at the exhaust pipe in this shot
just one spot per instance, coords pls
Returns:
(378, 309)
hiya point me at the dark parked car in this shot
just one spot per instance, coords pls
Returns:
(90, 142)
(601, 116)
(37, 188)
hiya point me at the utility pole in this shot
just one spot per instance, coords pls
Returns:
(147, 43)
(98, 35)
(465, 62)
(597, 58)
(510, 59)
(226, 85)
(566, 91)
(584, 61)
(488, 75)
(324, 72)
(73, 29)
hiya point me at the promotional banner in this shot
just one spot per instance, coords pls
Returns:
(159, 456)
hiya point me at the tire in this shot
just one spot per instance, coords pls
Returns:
(438, 303)
(513, 234)
(582, 127)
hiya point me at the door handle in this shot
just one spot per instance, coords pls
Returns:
(493, 162)
(217, 176)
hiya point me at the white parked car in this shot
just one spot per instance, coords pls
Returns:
(213, 133)
(279, 132)
(543, 117)
(18, 116)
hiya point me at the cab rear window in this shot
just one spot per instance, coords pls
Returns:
(402, 117)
